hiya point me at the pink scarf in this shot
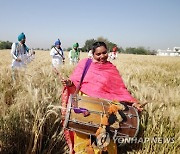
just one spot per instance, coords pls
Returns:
(102, 81)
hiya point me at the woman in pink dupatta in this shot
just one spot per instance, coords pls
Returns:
(102, 80)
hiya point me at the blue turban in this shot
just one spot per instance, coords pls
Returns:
(58, 42)
(21, 37)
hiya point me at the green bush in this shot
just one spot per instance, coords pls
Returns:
(5, 45)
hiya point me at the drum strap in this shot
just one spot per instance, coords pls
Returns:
(86, 67)
(75, 101)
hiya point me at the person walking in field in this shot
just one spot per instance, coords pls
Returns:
(19, 52)
(113, 54)
(21, 55)
(74, 54)
(57, 55)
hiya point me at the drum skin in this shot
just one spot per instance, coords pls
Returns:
(97, 108)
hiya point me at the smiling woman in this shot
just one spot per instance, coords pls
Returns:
(102, 80)
(102, 76)
(100, 52)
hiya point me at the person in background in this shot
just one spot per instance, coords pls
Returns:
(113, 54)
(90, 55)
(19, 53)
(57, 55)
(74, 54)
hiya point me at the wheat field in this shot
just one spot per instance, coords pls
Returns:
(30, 113)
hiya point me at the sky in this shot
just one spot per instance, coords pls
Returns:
(152, 24)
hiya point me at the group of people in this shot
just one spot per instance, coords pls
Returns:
(58, 57)
(22, 55)
(102, 80)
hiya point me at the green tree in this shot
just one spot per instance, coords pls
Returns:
(68, 49)
(139, 50)
(121, 50)
(5, 45)
(88, 45)
(110, 45)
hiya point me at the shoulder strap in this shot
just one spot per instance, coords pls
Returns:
(75, 101)
(58, 52)
(86, 67)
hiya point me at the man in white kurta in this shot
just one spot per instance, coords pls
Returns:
(19, 52)
(57, 55)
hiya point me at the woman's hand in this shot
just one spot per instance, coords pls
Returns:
(67, 82)
(138, 106)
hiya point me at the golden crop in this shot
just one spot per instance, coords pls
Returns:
(30, 115)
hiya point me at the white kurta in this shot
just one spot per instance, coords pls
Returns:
(18, 51)
(113, 55)
(57, 57)
(30, 56)
(90, 54)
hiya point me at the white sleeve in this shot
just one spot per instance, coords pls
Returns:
(52, 53)
(89, 54)
(13, 49)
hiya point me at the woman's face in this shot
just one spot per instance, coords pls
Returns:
(100, 55)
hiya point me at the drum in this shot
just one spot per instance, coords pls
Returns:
(97, 108)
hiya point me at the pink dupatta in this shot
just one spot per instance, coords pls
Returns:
(102, 81)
